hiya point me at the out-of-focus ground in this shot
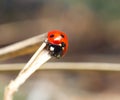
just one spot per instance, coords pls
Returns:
(93, 29)
(66, 85)
(91, 25)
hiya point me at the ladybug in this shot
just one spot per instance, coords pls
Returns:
(57, 43)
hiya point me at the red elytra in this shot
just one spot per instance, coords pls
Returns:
(57, 37)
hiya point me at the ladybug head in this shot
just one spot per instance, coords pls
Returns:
(57, 43)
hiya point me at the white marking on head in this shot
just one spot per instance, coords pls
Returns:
(60, 44)
(52, 48)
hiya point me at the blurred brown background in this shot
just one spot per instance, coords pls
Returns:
(93, 28)
(91, 25)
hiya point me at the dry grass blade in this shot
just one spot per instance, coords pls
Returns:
(39, 58)
(69, 66)
(21, 48)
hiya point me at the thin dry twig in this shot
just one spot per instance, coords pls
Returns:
(21, 48)
(41, 56)
(90, 66)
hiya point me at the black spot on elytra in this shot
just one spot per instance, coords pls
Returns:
(62, 35)
(52, 35)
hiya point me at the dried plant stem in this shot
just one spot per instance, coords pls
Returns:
(39, 58)
(21, 48)
(69, 66)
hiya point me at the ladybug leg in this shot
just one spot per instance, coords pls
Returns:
(63, 45)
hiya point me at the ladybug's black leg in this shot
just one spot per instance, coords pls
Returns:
(63, 44)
